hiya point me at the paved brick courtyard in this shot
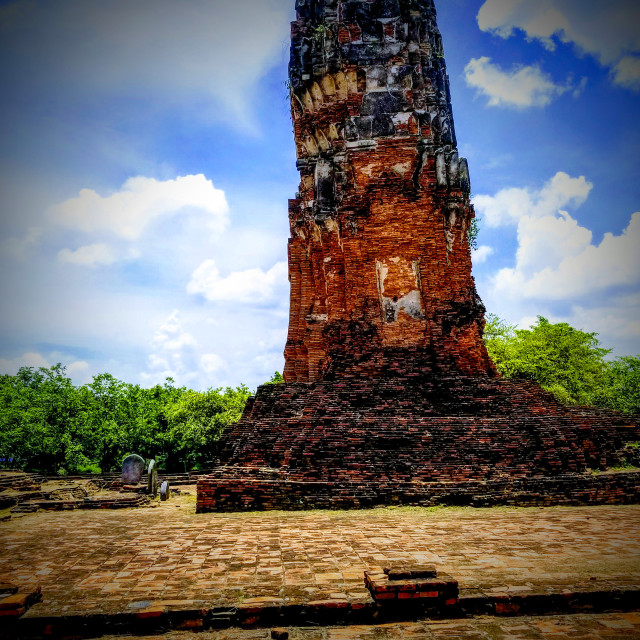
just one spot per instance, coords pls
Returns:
(620, 626)
(119, 561)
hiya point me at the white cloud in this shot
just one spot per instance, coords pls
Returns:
(78, 370)
(481, 254)
(557, 261)
(174, 52)
(524, 86)
(606, 30)
(559, 271)
(141, 201)
(627, 72)
(175, 354)
(18, 247)
(618, 322)
(509, 206)
(211, 362)
(89, 256)
(30, 359)
(251, 285)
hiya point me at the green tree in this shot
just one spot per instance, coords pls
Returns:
(196, 420)
(47, 424)
(563, 360)
(41, 419)
(276, 378)
(621, 389)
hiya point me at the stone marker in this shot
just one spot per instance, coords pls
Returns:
(150, 470)
(154, 482)
(132, 468)
(165, 492)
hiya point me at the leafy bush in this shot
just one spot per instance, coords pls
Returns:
(89, 468)
(567, 362)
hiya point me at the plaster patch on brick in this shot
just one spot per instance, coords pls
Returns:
(399, 288)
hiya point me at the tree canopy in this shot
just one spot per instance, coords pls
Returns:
(566, 361)
(49, 425)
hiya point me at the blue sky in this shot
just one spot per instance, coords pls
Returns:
(146, 159)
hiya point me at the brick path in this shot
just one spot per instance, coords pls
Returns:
(592, 627)
(90, 562)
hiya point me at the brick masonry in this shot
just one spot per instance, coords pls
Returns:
(460, 441)
(117, 566)
(390, 396)
(379, 261)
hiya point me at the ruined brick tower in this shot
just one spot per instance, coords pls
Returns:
(389, 394)
(379, 261)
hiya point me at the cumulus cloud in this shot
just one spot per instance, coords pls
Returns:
(627, 72)
(559, 270)
(606, 30)
(127, 213)
(481, 254)
(251, 285)
(556, 257)
(175, 354)
(29, 359)
(211, 362)
(19, 247)
(171, 51)
(524, 86)
(89, 256)
(509, 206)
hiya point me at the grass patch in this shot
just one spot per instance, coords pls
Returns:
(621, 468)
(5, 512)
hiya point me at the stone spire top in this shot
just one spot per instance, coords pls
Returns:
(397, 49)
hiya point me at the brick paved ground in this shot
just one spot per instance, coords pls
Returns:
(619, 626)
(115, 561)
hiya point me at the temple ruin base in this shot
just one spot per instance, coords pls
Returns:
(416, 441)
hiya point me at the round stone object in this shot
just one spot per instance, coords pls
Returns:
(132, 468)
(165, 492)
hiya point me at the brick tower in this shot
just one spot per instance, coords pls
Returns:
(379, 261)
(389, 394)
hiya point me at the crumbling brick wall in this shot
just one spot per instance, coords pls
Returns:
(379, 261)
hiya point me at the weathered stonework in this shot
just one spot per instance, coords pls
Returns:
(379, 261)
(390, 396)
(410, 440)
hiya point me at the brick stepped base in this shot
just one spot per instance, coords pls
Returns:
(19, 481)
(124, 502)
(264, 612)
(239, 490)
(14, 601)
(358, 443)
